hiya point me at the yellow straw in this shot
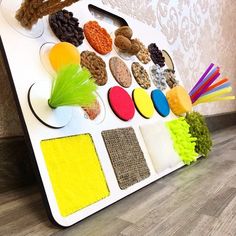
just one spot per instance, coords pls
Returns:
(215, 100)
(214, 94)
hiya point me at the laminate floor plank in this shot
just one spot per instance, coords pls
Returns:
(99, 227)
(214, 206)
(177, 211)
(195, 200)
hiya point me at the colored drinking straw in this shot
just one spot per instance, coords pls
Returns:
(202, 78)
(214, 94)
(212, 72)
(222, 98)
(215, 100)
(220, 82)
(226, 85)
(204, 87)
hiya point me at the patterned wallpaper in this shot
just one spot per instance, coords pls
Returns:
(198, 32)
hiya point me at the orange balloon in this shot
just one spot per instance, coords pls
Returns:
(63, 54)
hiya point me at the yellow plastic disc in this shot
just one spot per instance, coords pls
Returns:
(63, 54)
(143, 102)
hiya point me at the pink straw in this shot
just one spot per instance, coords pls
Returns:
(201, 79)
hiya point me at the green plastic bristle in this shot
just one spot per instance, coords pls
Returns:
(183, 141)
(72, 86)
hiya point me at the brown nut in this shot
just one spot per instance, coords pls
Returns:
(122, 43)
(126, 31)
(135, 47)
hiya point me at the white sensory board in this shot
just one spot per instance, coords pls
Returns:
(23, 55)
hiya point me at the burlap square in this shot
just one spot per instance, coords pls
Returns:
(126, 156)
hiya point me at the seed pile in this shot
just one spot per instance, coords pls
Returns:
(170, 78)
(66, 27)
(141, 75)
(156, 55)
(158, 77)
(98, 37)
(143, 55)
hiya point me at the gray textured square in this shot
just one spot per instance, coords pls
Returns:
(126, 156)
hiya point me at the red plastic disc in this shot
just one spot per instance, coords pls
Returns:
(121, 103)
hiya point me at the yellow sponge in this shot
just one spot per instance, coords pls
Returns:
(179, 100)
(75, 172)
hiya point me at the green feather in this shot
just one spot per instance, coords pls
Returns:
(72, 86)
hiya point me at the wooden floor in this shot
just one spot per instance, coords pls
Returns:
(196, 200)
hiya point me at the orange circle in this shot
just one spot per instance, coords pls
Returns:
(63, 54)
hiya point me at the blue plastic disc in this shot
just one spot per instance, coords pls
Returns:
(160, 102)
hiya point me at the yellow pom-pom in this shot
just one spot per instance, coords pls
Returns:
(63, 54)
